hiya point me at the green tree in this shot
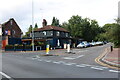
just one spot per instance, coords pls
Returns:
(27, 34)
(82, 28)
(36, 27)
(74, 26)
(114, 35)
(117, 20)
(55, 22)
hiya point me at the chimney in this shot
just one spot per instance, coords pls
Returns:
(44, 23)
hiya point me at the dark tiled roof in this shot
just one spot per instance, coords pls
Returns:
(49, 27)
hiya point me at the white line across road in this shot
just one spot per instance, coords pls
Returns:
(69, 63)
(114, 71)
(56, 62)
(97, 68)
(80, 66)
(73, 57)
(5, 75)
(101, 68)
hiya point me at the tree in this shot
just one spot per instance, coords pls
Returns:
(114, 35)
(27, 34)
(55, 22)
(117, 20)
(36, 27)
(111, 32)
(82, 28)
(74, 26)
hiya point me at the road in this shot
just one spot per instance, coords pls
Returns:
(79, 65)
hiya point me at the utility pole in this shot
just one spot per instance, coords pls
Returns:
(118, 21)
(32, 25)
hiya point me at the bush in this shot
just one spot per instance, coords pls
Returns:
(9, 47)
(16, 47)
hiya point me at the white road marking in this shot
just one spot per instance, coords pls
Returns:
(40, 60)
(114, 71)
(34, 58)
(80, 56)
(86, 65)
(5, 75)
(69, 63)
(96, 68)
(62, 62)
(101, 67)
(47, 60)
(56, 62)
(68, 58)
(73, 57)
(80, 66)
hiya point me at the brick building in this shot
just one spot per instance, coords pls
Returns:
(11, 33)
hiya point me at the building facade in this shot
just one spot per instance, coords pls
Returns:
(55, 36)
(11, 33)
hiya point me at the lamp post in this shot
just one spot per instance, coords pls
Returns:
(32, 25)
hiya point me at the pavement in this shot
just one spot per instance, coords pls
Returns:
(112, 58)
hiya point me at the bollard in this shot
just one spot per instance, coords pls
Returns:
(65, 46)
(47, 49)
(111, 48)
(68, 48)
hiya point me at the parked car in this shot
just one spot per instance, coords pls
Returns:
(99, 43)
(81, 45)
(93, 43)
(105, 42)
(86, 44)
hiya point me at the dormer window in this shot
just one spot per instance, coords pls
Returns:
(58, 33)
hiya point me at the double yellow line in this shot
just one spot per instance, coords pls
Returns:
(97, 60)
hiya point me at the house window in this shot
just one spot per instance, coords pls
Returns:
(66, 34)
(44, 33)
(58, 33)
(13, 31)
(51, 33)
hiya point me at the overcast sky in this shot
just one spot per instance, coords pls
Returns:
(104, 11)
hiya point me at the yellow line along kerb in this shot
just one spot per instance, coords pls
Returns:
(97, 60)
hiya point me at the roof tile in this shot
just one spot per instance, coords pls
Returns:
(49, 27)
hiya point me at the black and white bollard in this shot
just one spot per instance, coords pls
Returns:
(68, 48)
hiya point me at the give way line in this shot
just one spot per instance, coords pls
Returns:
(73, 57)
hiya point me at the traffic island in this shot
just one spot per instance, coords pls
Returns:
(70, 52)
(49, 55)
